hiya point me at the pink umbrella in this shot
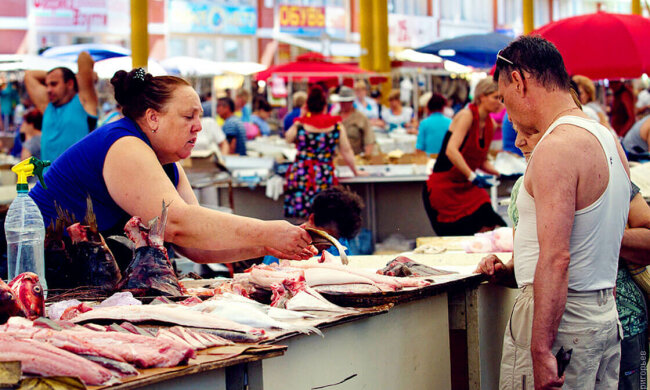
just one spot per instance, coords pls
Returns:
(311, 66)
(602, 45)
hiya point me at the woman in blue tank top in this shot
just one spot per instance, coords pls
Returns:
(129, 167)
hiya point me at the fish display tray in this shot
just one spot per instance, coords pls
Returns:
(442, 284)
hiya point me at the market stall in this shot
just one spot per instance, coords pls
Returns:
(416, 329)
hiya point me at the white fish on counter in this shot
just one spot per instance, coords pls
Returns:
(55, 310)
(311, 300)
(173, 314)
(274, 312)
(246, 313)
(124, 298)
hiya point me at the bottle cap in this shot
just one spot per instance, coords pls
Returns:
(29, 167)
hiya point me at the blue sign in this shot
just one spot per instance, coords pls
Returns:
(207, 17)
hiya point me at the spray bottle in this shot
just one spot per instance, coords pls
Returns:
(24, 226)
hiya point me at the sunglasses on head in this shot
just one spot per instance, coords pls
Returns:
(511, 63)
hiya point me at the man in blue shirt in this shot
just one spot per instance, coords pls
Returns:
(432, 130)
(232, 126)
(261, 113)
(242, 105)
(299, 100)
(68, 103)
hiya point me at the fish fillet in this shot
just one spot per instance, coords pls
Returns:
(325, 276)
(173, 314)
(41, 358)
(313, 301)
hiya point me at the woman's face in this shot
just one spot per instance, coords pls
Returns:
(27, 128)
(491, 102)
(527, 139)
(394, 104)
(178, 126)
(584, 96)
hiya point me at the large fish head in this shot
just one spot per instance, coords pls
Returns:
(29, 293)
(9, 305)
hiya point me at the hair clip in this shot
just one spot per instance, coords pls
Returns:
(139, 74)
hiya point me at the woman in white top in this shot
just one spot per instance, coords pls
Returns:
(587, 94)
(396, 115)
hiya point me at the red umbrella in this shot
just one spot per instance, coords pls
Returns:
(602, 45)
(311, 66)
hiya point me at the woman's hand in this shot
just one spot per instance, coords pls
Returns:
(306, 254)
(287, 239)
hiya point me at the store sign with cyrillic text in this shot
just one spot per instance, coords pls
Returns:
(299, 20)
(79, 15)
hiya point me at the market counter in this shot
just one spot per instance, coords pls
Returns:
(203, 372)
(478, 314)
(393, 203)
(428, 340)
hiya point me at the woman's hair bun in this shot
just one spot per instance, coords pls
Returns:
(128, 86)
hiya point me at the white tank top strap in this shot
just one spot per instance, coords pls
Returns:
(588, 125)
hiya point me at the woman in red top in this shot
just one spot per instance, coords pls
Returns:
(455, 199)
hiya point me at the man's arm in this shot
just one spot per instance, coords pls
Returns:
(35, 85)
(553, 181)
(368, 137)
(635, 247)
(86, 82)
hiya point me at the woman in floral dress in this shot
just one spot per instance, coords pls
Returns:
(316, 136)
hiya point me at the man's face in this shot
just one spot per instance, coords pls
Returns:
(59, 92)
(264, 114)
(222, 110)
(512, 99)
(346, 106)
(240, 102)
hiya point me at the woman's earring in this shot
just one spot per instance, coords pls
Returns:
(153, 131)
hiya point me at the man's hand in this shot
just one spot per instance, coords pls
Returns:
(499, 272)
(545, 371)
(493, 267)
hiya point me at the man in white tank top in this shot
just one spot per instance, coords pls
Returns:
(572, 206)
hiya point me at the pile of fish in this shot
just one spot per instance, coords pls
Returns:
(95, 354)
(173, 314)
(82, 259)
(94, 261)
(298, 285)
(249, 312)
(150, 272)
(402, 266)
(23, 296)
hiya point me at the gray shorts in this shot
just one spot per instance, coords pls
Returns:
(589, 326)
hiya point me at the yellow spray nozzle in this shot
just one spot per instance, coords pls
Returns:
(29, 167)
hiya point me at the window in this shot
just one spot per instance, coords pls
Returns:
(232, 50)
(205, 49)
(177, 47)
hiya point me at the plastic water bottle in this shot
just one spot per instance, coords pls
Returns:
(24, 226)
(25, 236)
